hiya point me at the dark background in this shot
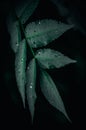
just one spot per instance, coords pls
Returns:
(71, 80)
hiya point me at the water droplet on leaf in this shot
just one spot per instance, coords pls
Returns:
(39, 22)
(51, 66)
(30, 86)
(39, 53)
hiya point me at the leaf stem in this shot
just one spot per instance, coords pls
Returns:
(26, 39)
(25, 35)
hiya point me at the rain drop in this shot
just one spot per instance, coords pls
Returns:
(45, 42)
(39, 22)
(28, 68)
(17, 44)
(51, 66)
(19, 71)
(55, 55)
(30, 86)
(22, 60)
(39, 53)
(34, 43)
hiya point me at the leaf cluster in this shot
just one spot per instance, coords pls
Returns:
(35, 35)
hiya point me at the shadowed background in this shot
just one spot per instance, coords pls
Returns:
(70, 79)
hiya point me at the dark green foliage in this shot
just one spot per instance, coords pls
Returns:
(35, 35)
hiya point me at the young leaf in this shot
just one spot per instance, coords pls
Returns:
(45, 31)
(30, 86)
(20, 66)
(50, 59)
(51, 93)
(15, 34)
(26, 9)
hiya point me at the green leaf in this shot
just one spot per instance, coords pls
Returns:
(49, 59)
(25, 9)
(45, 31)
(14, 30)
(30, 86)
(20, 66)
(51, 93)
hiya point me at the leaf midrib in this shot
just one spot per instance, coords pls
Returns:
(39, 34)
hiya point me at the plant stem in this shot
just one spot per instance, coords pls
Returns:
(25, 35)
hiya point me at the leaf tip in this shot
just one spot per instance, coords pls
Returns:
(73, 61)
(66, 115)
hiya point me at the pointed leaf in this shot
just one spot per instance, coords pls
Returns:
(30, 86)
(20, 66)
(50, 59)
(25, 9)
(51, 93)
(45, 31)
